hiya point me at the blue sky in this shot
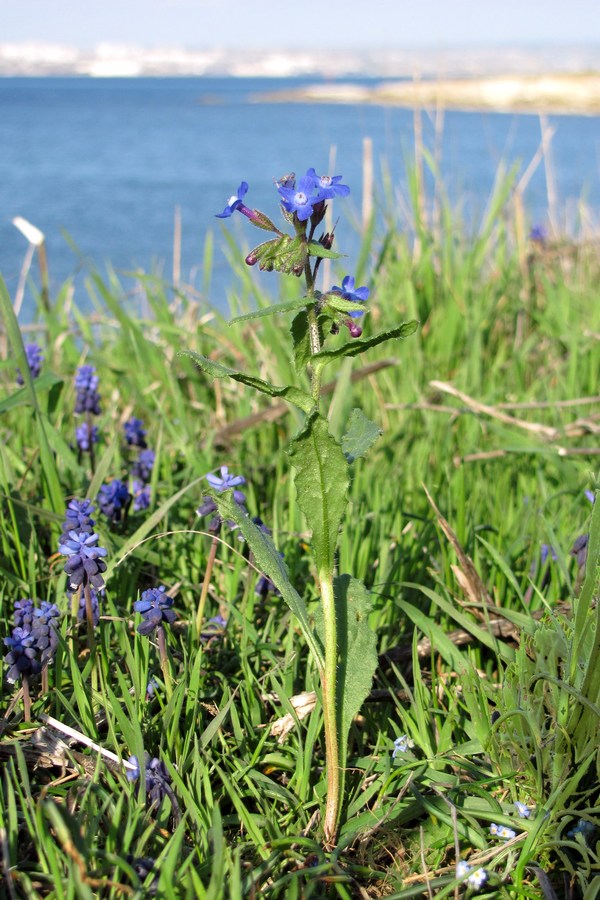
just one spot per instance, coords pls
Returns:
(311, 23)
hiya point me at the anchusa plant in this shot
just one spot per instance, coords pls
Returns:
(35, 358)
(343, 647)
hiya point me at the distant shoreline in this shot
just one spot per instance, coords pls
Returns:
(559, 94)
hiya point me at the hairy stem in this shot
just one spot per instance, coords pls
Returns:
(329, 684)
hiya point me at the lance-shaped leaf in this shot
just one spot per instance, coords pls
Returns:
(357, 652)
(283, 254)
(215, 370)
(268, 560)
(360, 435)
(301, 340)
(340, 304)
(290, 306)
(360, 345)
(321, 484)
(260, 220)
(317, 249)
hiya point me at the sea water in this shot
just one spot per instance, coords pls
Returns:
(100, 165)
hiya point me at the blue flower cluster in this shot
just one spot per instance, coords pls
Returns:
(34, 638)
(141, 471)
(114, 499)
(87, 398)
(476, 879)
(157, 778)
(85, 563)
(154, 607)
(309, 195)
(35, 358)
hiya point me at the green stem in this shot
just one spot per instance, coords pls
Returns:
(26, 699)
(164, 660)
(330, 717)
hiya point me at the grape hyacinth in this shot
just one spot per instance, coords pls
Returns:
(214, 628)
(135, 433)
(33, 352)
(141, 495)
(87, 399)
(85, 436)
(113, 500)
(78, 517)
(23, 614)
(85, 565)
(22, 655)
(32, 644)
(158, 780)
(155, 608)
(142, 467)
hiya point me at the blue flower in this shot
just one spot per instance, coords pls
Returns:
(547, 551)
(300, 198)
(590, 495)
(580, 548)
(476, 879)
(141, 495)
(86, 385)
(584, 828)
(86, 435)
(157, 776)
(349, 292)
(135, 433)
(502, 831)
(85, 563)
(155, 608)
(113, 499)
(23, 614)
(401, 745)
(236, 202)
(22, 656)
(538, 234)
(328, 187)
(523, 811)
(226, 482)
(142, 467)
(33, 352)
(214, 628)
(78, 517)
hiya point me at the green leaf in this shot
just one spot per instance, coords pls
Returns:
(268, 560)
(290, 306)
(317, 249)
(359, 345)
(22, 397)
(301, 340)
(215, 370)
(360, 436)
(263, 221)
(322, 481)
(283, 254)
(340, 304)
(357, 651)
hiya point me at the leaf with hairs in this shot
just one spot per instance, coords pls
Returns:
(360, 345)
(360, 435)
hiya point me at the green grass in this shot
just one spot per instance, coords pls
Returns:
(492, 719)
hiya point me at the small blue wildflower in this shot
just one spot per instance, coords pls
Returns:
(87, 399)
(236, 203)
(476, 878)
(349, 292)
(502, 831)
(86, 435)
(142, 467)
(547, 551)
(328, 187)
(538, 234)
(85, 563)
(158, 779)
(33, 352)
(299, 199)
(141, 495)
(155, 608)
(584, 828)
(226, 482)
(590, 495)
(151, 689)
(22, 655)
(135, 433)
(401, 745)
(113, 499)
(523, 811)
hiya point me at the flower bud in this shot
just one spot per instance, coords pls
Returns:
(355, 330)
(251, 259)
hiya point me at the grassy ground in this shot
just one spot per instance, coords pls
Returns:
(496, 706)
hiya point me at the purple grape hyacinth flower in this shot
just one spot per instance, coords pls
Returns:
(23, 614)
(86, 435)
(86, 385)
(300, 198)
(328, 187)
(33, 352)
(157, 777)
(135, 433)
(78, 517)
(141, 495)
(113, 499)
(142, 467)
(85, 562)
(236, 202)
(154, 607)
(349, 292)
(22, 655)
